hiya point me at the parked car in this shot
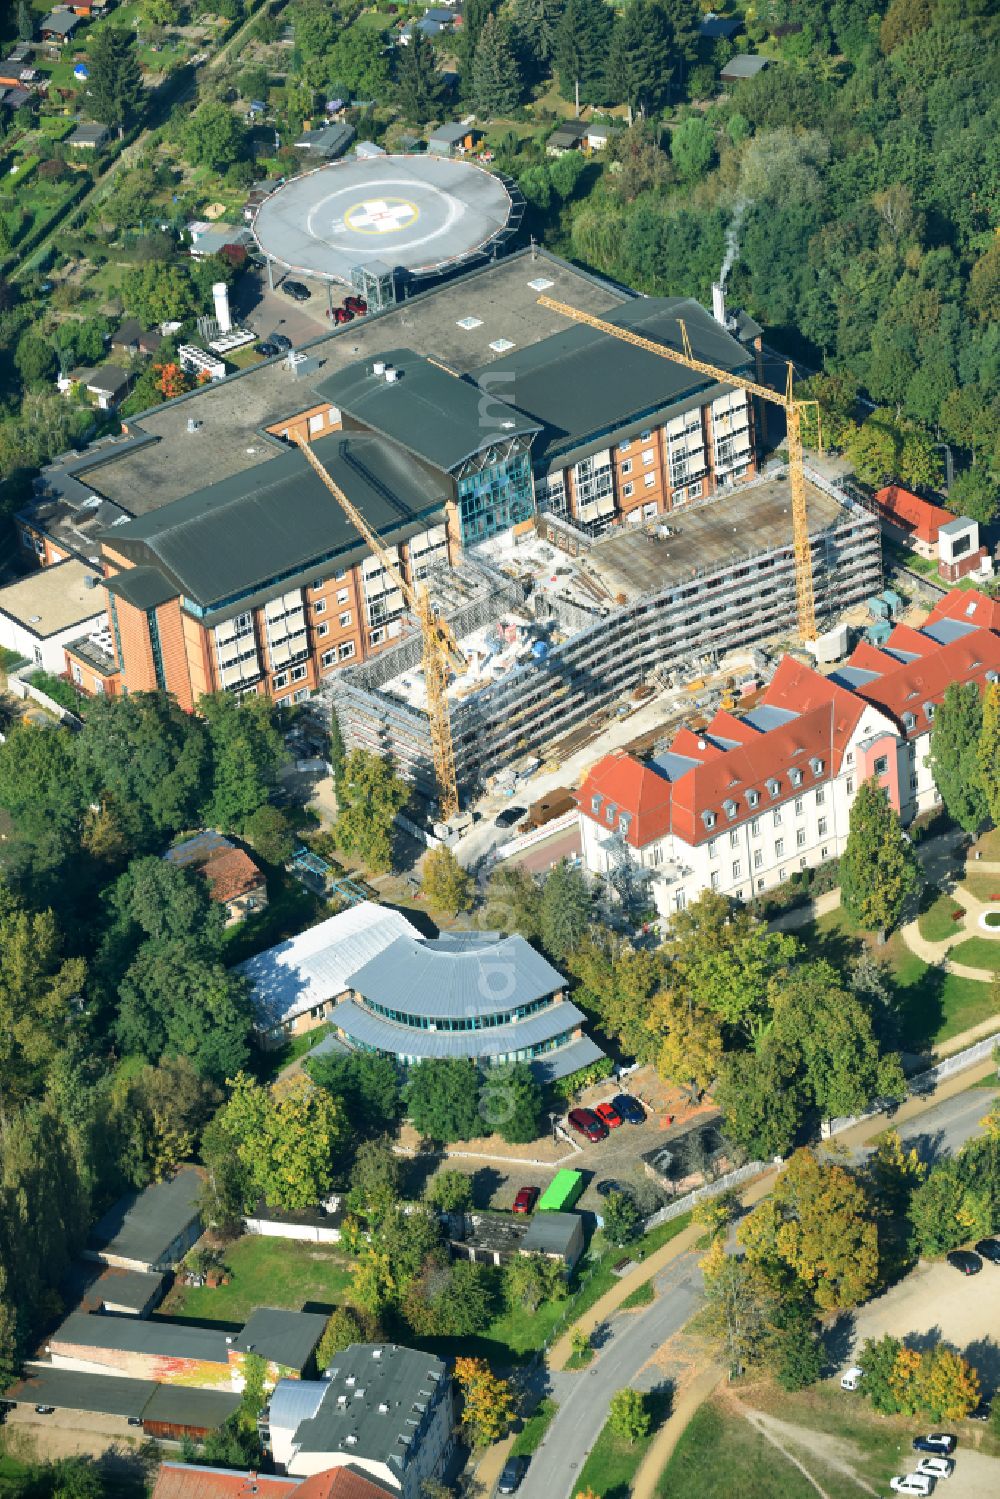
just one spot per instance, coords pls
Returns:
(629, 1108)
(45, 1410)
(268, 349)
(513, 1471)
(935, 1441)
(508, 817)
(936, 1467)
(297, 290)
(965, 1261)
(990, 1250)
(340, 315)
(912, 1483)
(586, 1123)
(982, 1412)
(357, 306)
(609, 1114)
(281, 341)
(525, 1200)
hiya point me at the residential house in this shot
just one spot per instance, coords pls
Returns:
(234, 880)
(433, 23)
(88, 136)
(387, 1409)
(298, 984)
(326, 142)
(41, 613)
(125, 339)
(569, 136)
(455, 139)
(191, 1481)
(58, 27)
(910, 519)
(741, 805)
(108, 385)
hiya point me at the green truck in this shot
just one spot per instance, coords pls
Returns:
(561, 1192)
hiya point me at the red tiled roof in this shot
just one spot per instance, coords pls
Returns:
(190, 1481)
(343, 1483)
(970, 606)
(909, 685)
(913, 514)
(231, 873)
(625, 783)
(797, 688)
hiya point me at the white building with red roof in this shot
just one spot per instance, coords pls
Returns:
(746, 802)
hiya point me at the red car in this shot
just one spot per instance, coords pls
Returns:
(525, 1200)
(587, 1123)
(357, 305)
(609, 1114)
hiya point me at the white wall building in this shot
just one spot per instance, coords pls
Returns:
(41, 613)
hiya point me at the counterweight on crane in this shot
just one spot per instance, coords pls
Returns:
(793, 409)
(441, 650)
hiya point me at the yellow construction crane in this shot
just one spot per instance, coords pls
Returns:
(804, 598)
(441, 650)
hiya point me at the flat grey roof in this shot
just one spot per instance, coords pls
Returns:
(185, 1405)
(144, 587)
(552, 1233)
(143, 1225)
(53, 599)
(582, 384)
(743, 66)
(955, 527)
(70, 1389)
(154, 1336)
(93, 1285)
(419, 213)
(244, 533)
(284, 1337)
(457, 975)
(362, 1379)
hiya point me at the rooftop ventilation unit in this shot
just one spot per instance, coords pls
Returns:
(378, 368)
(391, 375)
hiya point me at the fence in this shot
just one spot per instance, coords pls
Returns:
(923, 1082)
(538, 835)
(19, 688)
(684, 1204)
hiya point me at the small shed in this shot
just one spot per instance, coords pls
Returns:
(368, 151)
(454, 139)
(741, 67)
(566, 137)
(59, 26)
(88, 136)
(125, 339)
(320, 1225)
(326, 142)
(152, 1229)
(109, 386)
(559, 1236)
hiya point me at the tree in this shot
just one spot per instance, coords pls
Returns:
(176, 1002)
(247, 752)
(451, 1301)
(817, 1222)
(955, 736)
(538, 22)
(39, 996)
(214, 136)
(25, 21)
(622, 1219)
(510, 1102)
(629, 1417)
(151, 757)
(947, 1210)
(531, 1279)
(358, 63)
(513, 901)
(75, 1478)
(287, 1136)
(269, 833)
(639, 61)
(35, 359)
(976, 494)
(496, 70)
(374, 1182)
(989, 751)
(114, 86)
(725, 960)
(419, 84)
(445, 883)
(619, 981)
(344, 1326)
(762, 1108)
(873, 448)
(369, 795)
(366, 1085)
(163, 1112)
(565, 912)
(893, 1174)
(582, 45)
(692, 146)
(442, 1099)
(159, 292)
(878, 869)
(449, 1192)
(689, 1044)
(487, 1401)
(740, 1303)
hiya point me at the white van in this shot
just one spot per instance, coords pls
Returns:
(852, 1378)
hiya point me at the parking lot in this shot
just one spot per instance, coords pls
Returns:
(936, 1304)
(270, 312)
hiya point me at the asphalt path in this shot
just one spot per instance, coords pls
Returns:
(632, 1338)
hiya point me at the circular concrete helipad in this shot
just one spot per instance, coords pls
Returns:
(423, 213)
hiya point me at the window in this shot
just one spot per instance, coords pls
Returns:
(627, 466)
(782, 874)
(347, 650)
(345, 619)
(340, 576)
(755, 828)
(320, 606)
(713, 848)
(649, 480)
(595, 805)
(753, 797)
(342, 595)
(624, 445)
(298, 673)
(800, 838)
(328, 658)
(316, 423)
(628, 490)
(758, 858)
(779, 848)
(694, 490)
(715, 879)
(317, 584)
(800, 806)
(820, 796)
(734, 839)
(850, 785)
(736, 869)
(850, 757)
(281, 680)
(760, 884)
(301, 695)
(37, 653)
(776, 815)
(323, 630)
(821, 827)
(77, 674)
(824, 851)
(648, 457)
(645, 436)
(881, 765)
(913, 783)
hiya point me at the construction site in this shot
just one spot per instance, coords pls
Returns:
(571, 629)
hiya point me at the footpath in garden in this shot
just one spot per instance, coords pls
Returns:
(974, 908)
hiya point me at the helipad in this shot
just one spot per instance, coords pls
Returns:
(423, 214)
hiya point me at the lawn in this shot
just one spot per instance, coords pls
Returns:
(985, 887)
(268, 1064)
(266, 1272)
(933, 1005)
(989, 846)
(641, 1296)
(613, 1461)
(941, 919)
(529, 1438)
(291, 908)
(979, 952)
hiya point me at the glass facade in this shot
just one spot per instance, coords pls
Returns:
(156, 648)
(458, 1023)
(495, 498)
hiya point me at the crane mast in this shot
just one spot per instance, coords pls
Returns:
(804, 593)
(440, 648)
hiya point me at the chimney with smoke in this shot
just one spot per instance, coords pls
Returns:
(719, 303)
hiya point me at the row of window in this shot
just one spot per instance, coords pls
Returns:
(799, 806)
(461, 1022)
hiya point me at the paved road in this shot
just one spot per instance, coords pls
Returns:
(583, 1398)
(635, 1337)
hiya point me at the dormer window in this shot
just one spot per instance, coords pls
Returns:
(991, 675)
(909, 720)
(729, 807)
(795, 776)
(708, 818)
(817, 765)
(929, 710)
(595, 805)
(773, 786)
(753, 797)
(624, 822)
(609, 814)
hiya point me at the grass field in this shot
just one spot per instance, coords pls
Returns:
(613, 1462)
(942, 919)
(979, 952)
(266, 1272)
(989, 846)
(985, 887)
(933, 1005)
(641, 1296)
(529, 1438)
